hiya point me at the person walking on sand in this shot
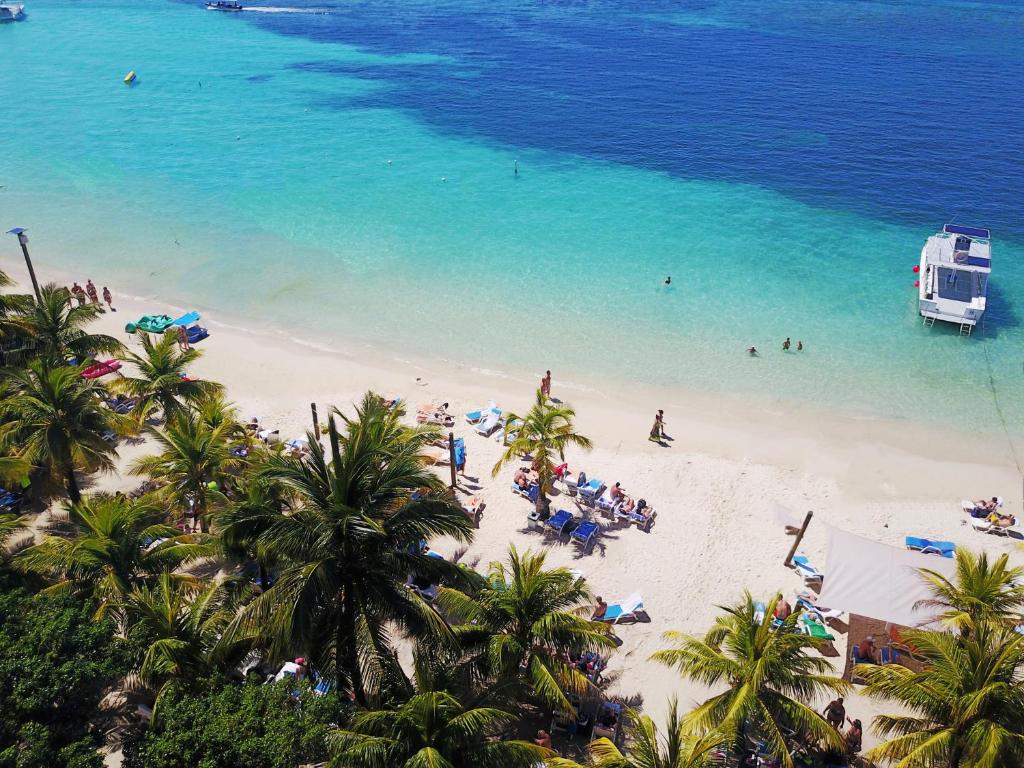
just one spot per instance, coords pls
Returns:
(78, 293)
(545, 384)
(108, 298)
(658, 429)
(183, 339)
(785, 345)
(91, 290)
(835, 713)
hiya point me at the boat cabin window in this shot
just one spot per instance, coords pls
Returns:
(962, 243)
(960, 284)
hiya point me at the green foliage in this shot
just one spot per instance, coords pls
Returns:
(432, 728)
(228, 725)
(56, 328)
(107, 546)
(55, 661)
(348, 546)
(543, 433)
(771, 678)
(524, 621)
(161, 382)
(54, 419)
(676, 748)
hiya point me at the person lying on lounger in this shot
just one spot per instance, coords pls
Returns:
(522, 479)
(984, 507)
(1003, 521)
(628, 504)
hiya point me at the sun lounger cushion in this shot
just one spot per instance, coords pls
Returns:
(623, 609)
(920, 544)
(585, 531)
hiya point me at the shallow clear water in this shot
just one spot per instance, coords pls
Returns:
(348, 168)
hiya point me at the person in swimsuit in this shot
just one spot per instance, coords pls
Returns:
(108, 298)
(835, 713)
(91, 290)
(785, 345)
(752, 351)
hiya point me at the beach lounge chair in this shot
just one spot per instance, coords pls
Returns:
(270, 437)
(622, 611)
(983, 525)
(814, 629)
(969, 506)
(807, 601)
(571, 482)
(585, 534)
(590, 492)
(490, 422)
(196, 333)
(472, 417)
(559, 522)
(807, 572)
(759, 609)
(100, 368)
(607, 507)
(187, 319)
(930, 547)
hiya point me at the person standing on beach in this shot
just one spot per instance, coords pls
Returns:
(658, 430)
(545, 384)
(785, 345)
(78, 293)
(183, 339)
(108, 298)
(91, 290)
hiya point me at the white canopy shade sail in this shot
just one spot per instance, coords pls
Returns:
(877, 580)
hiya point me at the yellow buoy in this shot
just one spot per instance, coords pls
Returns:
(129, 78)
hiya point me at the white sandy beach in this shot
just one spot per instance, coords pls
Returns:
(716, 488)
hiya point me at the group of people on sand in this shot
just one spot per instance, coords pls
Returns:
(989, 509)
(835, 715)
(89, 295)
(786, 346)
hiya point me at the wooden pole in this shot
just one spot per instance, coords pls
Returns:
(451, 457)
(316, 421)
(799, 538)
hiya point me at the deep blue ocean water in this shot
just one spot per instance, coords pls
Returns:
(348, 168)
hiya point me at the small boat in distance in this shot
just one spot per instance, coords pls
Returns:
(10, 12)
(224, 5)
(953, 286)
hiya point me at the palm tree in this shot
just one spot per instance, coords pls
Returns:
(523, 623)
(432, 728)
(57, 329)
(9, 526)
(108, 546)
(544, 432)
(966, 705)
(770, 679)
(194, 461)
(362, 512)
(241, 525)
(11, 304)
(979, 592)
(182, 625)
(163, 382)
(678, 749)
(54, 419)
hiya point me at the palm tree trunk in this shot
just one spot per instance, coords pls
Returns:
(263, 576)
(72, 484)
(346, 652)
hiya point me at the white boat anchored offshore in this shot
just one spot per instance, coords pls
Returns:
(11, 12)
(224, 5)
(955, 265)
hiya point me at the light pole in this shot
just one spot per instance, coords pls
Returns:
(19, 232)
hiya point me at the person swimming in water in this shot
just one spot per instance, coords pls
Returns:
(752, 351)
(668, 280)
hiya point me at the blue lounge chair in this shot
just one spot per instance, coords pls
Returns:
(590, 492)
(930, 547)
(187, 319)
(472, 417)
(759, 609)
(623, 610)
(559, 521)
(807, 571)
(585, 534)
(196, 333)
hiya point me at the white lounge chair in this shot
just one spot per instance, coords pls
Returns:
(983, 525)
(488, 424)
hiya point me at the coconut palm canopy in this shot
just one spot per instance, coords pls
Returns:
(57, 330)
(162, 382)
(771, 678)
(363, 509)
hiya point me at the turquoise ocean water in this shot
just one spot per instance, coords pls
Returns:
(348, 169)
